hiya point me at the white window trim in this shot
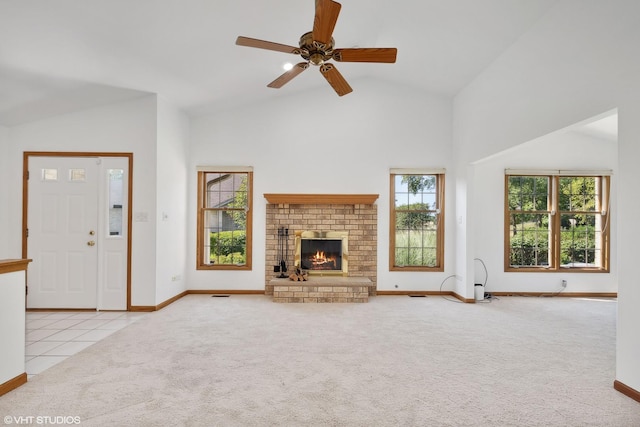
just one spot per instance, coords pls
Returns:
(222, 169)
(417, 171)
(559, 172)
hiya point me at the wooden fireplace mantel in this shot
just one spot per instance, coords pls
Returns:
(321, 199)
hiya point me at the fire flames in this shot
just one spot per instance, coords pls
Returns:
(320, 259)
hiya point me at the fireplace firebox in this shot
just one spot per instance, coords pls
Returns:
(322, 252)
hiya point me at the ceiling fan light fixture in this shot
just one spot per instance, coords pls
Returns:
(316, 58)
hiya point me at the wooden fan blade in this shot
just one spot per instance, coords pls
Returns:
(289, 75)
(374, 54)
(262, 44)
(327, 12)
(335, 79)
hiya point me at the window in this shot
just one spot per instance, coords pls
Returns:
(416, 221)
(115, 193)
(557, 221)
(49, 174)
(77, 175)
(224, 219)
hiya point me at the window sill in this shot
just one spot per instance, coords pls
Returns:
(555, 270)
(417, 268)
(224, 267)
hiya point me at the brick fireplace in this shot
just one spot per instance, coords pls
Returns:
(352, 214)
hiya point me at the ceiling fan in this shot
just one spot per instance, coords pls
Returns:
(317, 48)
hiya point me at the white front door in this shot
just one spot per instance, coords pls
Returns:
(76, 240)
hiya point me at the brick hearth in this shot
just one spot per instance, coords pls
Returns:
(356, 214)
(322, 290)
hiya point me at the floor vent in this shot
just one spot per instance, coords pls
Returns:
(417, 296)
(220, 296)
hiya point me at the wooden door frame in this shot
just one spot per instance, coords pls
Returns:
(25, 198)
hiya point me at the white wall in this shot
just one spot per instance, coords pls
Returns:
(579, 61)
(319, 143)
(4, 202)
(12, 325)
(171, 214)
(124, 127)
(628, 339)
(561, 150)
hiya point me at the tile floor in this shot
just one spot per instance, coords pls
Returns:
(54, 336)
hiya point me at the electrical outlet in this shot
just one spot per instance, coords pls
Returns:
(564, 283)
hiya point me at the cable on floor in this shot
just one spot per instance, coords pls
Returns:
(444, 296)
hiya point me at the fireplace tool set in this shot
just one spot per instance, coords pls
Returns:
(283, 250)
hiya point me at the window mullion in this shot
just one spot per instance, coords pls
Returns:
(555, 224)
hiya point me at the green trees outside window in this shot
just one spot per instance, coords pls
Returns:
(557, 222)
(417, 226)
(224, 220)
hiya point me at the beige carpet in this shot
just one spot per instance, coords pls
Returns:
(396, 361)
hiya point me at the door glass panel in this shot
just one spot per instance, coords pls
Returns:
(116, 191)
(77, 175)
(49, 174)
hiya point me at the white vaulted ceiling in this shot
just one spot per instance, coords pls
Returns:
(57, 56)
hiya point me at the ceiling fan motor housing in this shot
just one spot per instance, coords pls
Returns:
(313, 51)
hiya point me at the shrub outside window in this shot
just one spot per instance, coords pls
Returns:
(557, 222)
(224, 220)
(416, 221)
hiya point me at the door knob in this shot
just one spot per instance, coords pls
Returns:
(91, 233)
(91, 243)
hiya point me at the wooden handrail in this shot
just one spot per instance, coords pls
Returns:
(11, 265)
